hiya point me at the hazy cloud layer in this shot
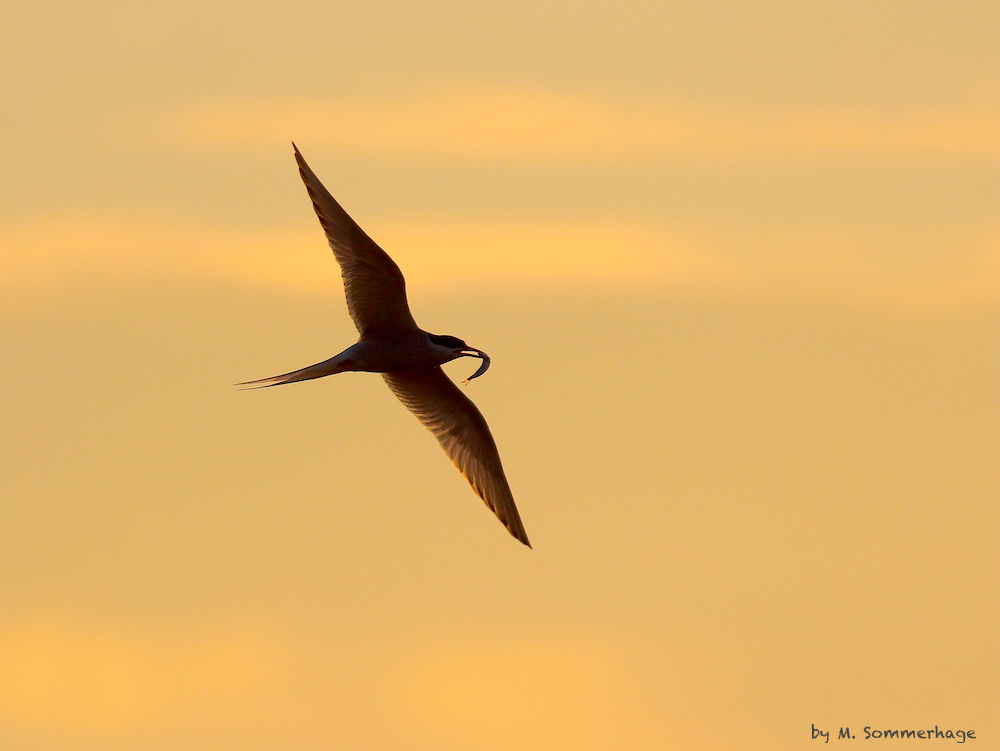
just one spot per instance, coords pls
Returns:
(581, 690)
(952, 267)
(498, 124)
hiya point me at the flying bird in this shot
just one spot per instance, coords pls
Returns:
(408, 358)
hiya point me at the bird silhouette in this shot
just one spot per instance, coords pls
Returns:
(407, 357)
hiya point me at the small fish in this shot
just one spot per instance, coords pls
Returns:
(482, 368)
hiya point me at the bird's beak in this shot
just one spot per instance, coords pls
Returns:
(471, 352)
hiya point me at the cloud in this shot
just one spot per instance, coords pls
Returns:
(945, 267)
(535, 692)
(52, 253)
(100, 680)
(539, 694)
(498, 124)
(435, 255)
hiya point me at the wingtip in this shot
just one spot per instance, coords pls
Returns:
(299, 159)
(520, 535)
(304, 171)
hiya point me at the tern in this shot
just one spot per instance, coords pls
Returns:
(407, 357)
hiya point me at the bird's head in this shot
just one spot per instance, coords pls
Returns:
(451, 348)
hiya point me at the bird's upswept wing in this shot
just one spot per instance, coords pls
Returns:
(376, 291)
(463, 433)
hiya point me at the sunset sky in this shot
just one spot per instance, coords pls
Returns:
(738, 269)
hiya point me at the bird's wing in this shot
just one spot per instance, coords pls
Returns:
(464, 435)
(376, 290)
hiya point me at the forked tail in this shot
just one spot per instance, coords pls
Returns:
(336, 364)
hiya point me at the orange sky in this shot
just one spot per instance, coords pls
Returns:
(737, 267)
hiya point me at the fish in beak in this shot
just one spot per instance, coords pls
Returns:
(472, 352)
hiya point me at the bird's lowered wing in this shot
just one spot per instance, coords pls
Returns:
(376, 291)
(463, 433)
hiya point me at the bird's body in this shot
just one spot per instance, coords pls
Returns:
(413, 350)
(408, 357)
